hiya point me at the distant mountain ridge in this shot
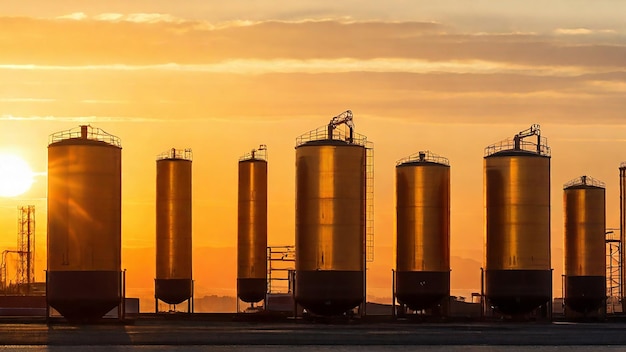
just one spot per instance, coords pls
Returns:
(215, 274)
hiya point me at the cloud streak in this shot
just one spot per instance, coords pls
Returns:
(79, 119)
(343, 65)
(583, 31)
(159, 67)
(160, 39)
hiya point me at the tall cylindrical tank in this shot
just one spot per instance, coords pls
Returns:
(84, 223)
(423, 230)
(330, 221)
(585, 251)
(252, 227)
(173, 283)
(518, 275)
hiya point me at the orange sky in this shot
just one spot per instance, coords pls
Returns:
(223, 78)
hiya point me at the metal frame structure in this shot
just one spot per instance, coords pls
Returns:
(613, 268)
(25, 268)
(26, 245)
(281, 260)
(540, 146)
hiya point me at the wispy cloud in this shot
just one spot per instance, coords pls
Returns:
(80, 119)
(104, 101)
(255, 67)
(159, 39)
(242, 119)
(26, 100)
(592, 140)
(583, 31)
(116, 17)
(75, 16)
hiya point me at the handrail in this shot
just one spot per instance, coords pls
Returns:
(509, 144)
(256, 154)
(321, 133)
(182, 154)
(424, 156)
(584, 181)
(85, 132)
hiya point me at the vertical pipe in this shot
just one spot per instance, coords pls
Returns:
(28, 249)
(622, 230)
(483, 305)
(563, 289)
(47, 304)
(551, 301)
(393, 293)
(295, 303)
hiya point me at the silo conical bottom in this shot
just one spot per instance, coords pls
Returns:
(172, 291)
(251, 290)
(422, 289)
(329, 292)
(517, 292)
(83, 295)
(585, 293)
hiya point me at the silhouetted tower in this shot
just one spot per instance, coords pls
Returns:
(26, 245)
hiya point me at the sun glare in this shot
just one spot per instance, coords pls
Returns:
(16, 177)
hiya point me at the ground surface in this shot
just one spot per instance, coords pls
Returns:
(153, 332)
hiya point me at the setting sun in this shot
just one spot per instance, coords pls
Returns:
(16, 177)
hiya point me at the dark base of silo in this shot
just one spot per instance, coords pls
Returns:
(329, 292)
(251, 290)
(517, 292)
(172, 291)
(422, 289)
(585, 293)
(83, 295)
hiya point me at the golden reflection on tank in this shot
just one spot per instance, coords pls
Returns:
(585, 251)
(423, 230)
(174, 281)
(252, 226)
(517, 223)
(330, 218)
(84, 223)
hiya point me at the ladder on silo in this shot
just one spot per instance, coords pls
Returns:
(369, 203)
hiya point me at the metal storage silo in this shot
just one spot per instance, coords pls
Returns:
(518, 275)
(423, 230)
(252, 227)
(174, 282)
(84, 223)
(330, 219)
(585, 252)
